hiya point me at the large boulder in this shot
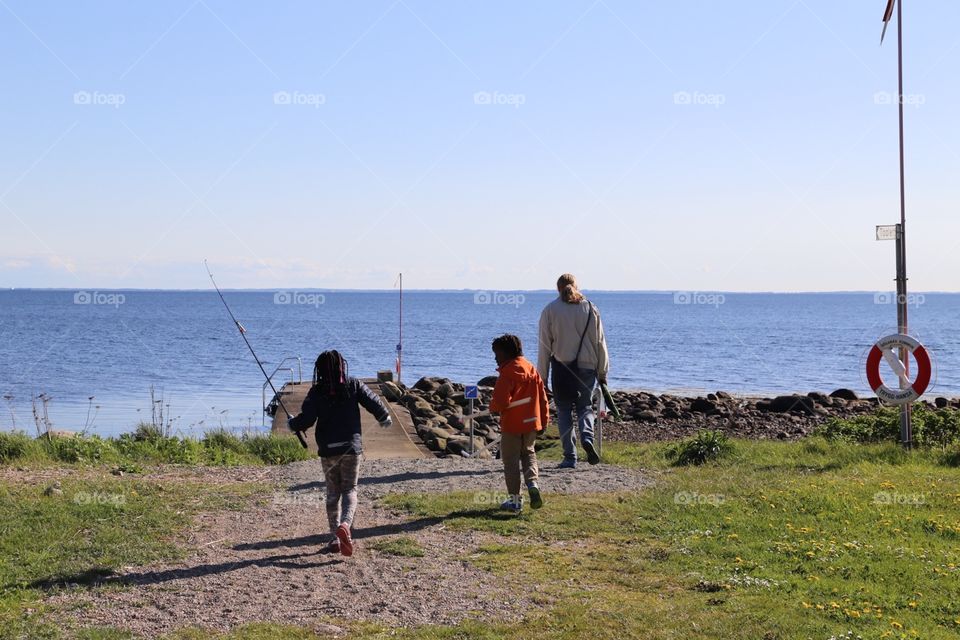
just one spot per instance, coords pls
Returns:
(844, 394)
(703, 405)
(446, 390)
(429, 385)
(790, 404)
(460, 445)
(391, 391)
(489, 381)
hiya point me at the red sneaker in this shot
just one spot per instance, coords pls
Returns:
(346, 542)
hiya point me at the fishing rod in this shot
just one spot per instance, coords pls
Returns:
(243, 334)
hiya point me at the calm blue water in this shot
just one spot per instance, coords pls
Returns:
(184, 345)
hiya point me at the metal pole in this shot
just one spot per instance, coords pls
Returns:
(906, 430)
(400, 344)
(470, 409)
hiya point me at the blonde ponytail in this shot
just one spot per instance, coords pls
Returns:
(567, 286)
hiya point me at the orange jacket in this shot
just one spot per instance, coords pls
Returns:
(520, 398)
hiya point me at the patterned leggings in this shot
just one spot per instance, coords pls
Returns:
(342, 474)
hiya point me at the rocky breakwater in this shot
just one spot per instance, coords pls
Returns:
(438, 405)
(648, 416)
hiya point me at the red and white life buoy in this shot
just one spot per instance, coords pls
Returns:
(886, 349)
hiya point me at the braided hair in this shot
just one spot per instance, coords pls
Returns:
(330, 374)
(509, 345)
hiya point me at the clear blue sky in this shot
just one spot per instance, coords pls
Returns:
(488, 145)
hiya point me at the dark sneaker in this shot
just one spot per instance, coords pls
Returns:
(592, 456)
(514, 504)
(567, 464)
(536, 500)
(346, 542)
(332, 547)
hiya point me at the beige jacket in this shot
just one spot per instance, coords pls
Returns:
(561, 324)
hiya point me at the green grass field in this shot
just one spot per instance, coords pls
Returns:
(812, 539)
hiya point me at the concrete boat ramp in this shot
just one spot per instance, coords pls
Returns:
(399, 441)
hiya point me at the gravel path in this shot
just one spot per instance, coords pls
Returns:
(266, 563)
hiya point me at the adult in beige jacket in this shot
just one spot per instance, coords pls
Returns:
(573, 357)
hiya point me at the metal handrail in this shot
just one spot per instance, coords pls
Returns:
(280, 367)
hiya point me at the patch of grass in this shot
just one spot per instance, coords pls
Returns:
(83, 530)
(14, 446)
(706, 446)
(250, 632)
(148, 446)
(273, 449)
(931, 427)
(403, 546)
(779, 540)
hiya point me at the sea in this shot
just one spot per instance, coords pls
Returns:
(103, 361)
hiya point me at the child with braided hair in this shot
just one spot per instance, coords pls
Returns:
(333, 403)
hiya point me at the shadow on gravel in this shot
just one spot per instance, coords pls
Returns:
(399, 477)
(100, 578)
(359, 533)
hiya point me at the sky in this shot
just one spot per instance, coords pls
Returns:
(699, 145)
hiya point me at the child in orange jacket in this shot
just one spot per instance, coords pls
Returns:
(521, 400)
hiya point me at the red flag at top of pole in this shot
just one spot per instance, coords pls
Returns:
(887, 17)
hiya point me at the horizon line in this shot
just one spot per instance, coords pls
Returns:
(469, 290)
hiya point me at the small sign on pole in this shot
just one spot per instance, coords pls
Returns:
(887, 231)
